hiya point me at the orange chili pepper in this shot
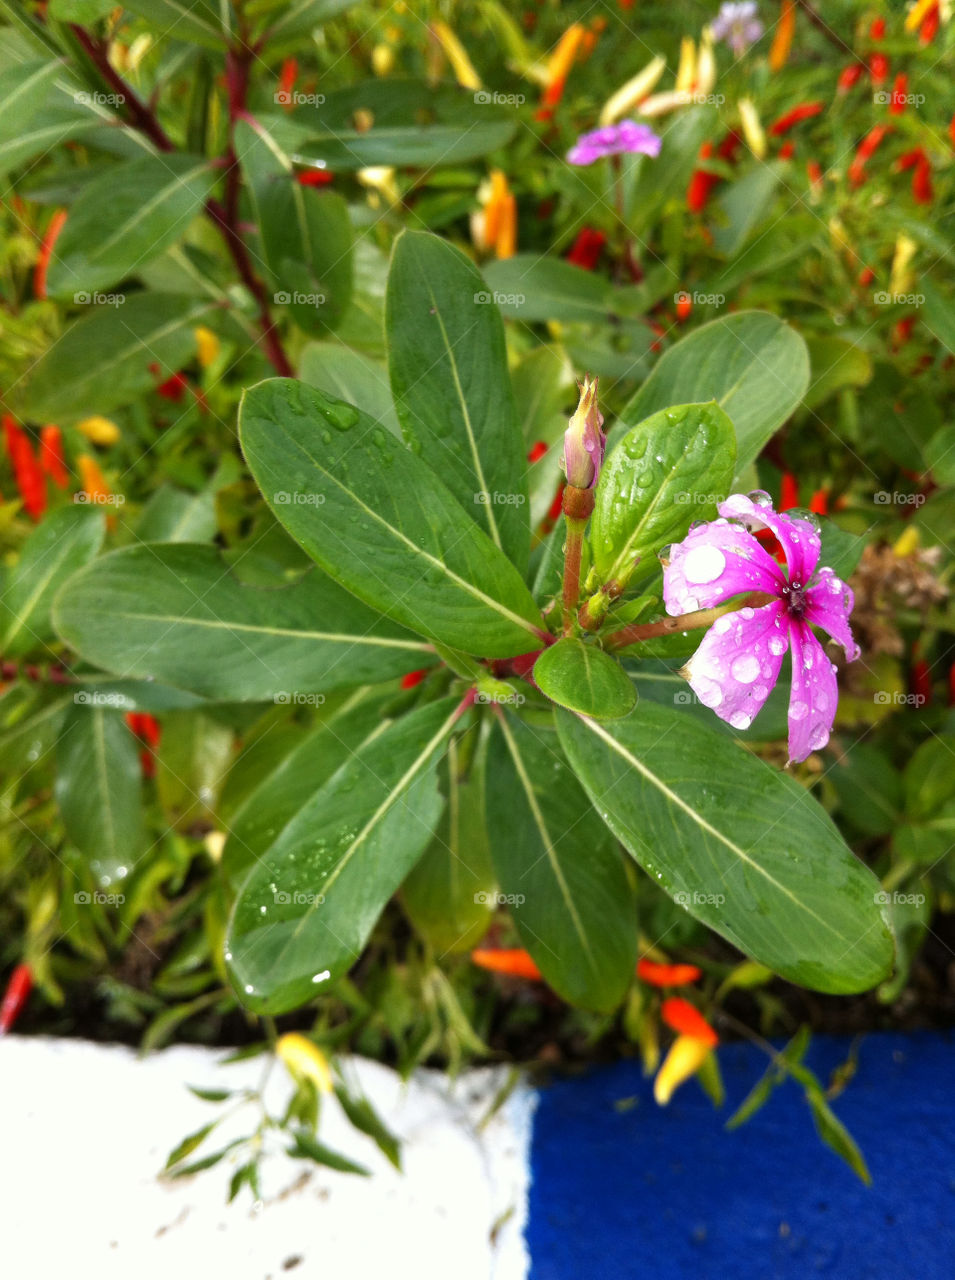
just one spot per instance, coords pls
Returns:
(46, 251)
(681, 1017)
(51, 456)
(783, 38)
(513, 961)
(667, 975)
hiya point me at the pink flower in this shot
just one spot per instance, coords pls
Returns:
(738, 25)
(614, 139)
(739, 659)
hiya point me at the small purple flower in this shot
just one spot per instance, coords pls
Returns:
(738, 25)
(739, 659)
(615, 139)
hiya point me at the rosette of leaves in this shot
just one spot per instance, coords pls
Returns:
(527, 767)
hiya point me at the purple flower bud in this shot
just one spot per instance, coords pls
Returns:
(584, 440)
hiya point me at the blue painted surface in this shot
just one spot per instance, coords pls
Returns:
(654, 1193)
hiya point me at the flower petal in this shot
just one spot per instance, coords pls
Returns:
(828, 605)
(798, 538)
(715, 562)
(738, 662)
(812, 703)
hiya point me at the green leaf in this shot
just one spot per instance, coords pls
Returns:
(448, 367)
(351, 376)
(745, 849)
(670, 470)
(173, 515)
(929, 777)
(33, 120)
(205, 22)
(572, 902)
(449, 893)
(62, 544)
(740, 206)
(583, 678)
(173, 612)
(306, 235)
(536, 288)
(379, 521)
(406, 146)
(869, 790)
(835, 363)
(189, 1144)
(309, 1148)
(306, 910)
(84, 12)
(754, 366)
(302, 15)
(192, 760)
(543, 382)
(836, 1136)
(103, 361)
(147, 205)
(279, 795)
(98, 788)
(366, 1120)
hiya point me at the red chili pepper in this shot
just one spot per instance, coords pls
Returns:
(701, 183)
(551, 99)
(804, 111)
(51, 456)
(951, 130)
(902, 332)
(788, 492)
(557, 506)
(877, 29)
(900, 90)
(314, 177)
(174, 388)
(27, 472)
(412, 678)
(15, 996)
(850, 76)
(929, 28)
(46, 252)
(921, 682)
(287, 77)
(684, 305)
(819, 502)
(814, 172)
(729, 146)
(787, 151)
(866, 276)
(879, 68)
(867, 147)
(587, 248)
(922, 190)
(537, 451)
(910, 159)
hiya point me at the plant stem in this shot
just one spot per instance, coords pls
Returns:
(577, 505)
(682, 622)
(224, 215)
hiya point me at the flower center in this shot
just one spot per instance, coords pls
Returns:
(795, 596)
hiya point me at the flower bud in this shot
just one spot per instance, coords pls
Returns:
(304, 1060)
(686, 1056)
(584, 440)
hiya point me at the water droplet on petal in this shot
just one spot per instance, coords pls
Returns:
(798, 711)
(777, 645)
(745, 668)
(740, 720)
(704, 564)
